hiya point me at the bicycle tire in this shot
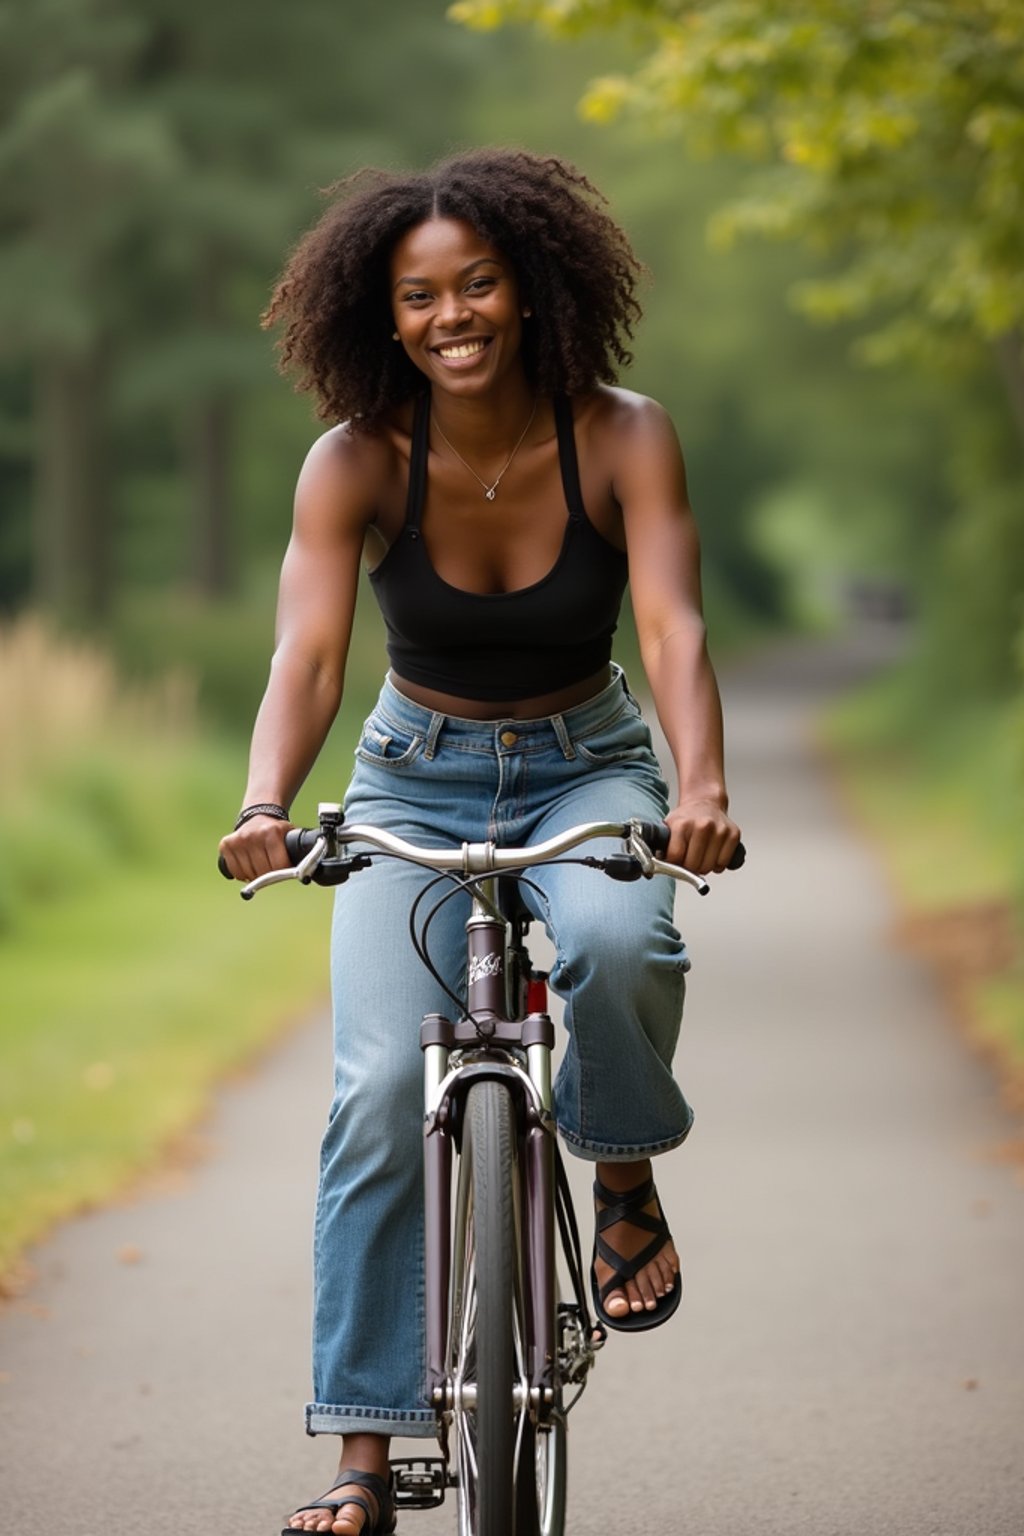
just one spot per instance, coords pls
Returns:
(482, 1345)
(540, 1500)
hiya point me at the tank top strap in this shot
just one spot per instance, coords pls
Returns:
(418, 456)
(568, 463)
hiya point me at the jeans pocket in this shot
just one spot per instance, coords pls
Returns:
(624, 738)
(384, 745)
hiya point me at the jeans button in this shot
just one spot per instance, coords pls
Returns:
(508, 738)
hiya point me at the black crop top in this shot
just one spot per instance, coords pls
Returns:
(501, 645)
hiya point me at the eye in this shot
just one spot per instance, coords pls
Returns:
(416, 296)
(480, 284)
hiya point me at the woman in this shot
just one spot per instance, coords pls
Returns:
(464, 326)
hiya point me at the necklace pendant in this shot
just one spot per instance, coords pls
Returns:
(490, 493)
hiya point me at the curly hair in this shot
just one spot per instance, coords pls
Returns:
(574, 265)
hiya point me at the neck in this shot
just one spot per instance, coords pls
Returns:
(487, 424)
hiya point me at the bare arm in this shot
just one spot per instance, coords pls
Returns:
(664, 573)
(316, 602)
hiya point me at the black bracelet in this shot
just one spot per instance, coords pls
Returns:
(249, 811)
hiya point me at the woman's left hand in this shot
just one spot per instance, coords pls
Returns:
(704, 836)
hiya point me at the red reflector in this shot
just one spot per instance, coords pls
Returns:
(536, 997)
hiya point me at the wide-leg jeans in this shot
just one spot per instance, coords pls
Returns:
(620, 968)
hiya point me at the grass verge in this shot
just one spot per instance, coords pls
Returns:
(941, 800)
(131, 976)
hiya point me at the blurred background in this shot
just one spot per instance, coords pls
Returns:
(833, 221)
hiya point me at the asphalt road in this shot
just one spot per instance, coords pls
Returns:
(849, 1358)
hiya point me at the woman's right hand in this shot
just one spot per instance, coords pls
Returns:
(256, 848)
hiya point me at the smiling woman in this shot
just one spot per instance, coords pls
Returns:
(542, 215)
(461, 328)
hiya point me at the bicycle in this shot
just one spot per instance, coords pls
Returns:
(502, 1349)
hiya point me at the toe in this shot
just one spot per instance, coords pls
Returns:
(645, 1284)
(616, 1304)
(636, 1301)
(667, 1274)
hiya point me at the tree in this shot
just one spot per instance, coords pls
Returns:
(891, 134)
(155, 163)
(76, 156)
(889, 138)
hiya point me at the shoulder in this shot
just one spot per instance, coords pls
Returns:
(341, 456)
(346, 472)
(621, 420)
(633, 441)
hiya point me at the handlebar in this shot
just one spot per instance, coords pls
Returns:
(316, 856)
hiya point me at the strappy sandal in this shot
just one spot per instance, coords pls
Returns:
(628, 1206)
(383, 1493)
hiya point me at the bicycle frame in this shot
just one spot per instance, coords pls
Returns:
(486, 1039)
(554, 1343)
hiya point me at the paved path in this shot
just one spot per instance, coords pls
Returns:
(849, 1359)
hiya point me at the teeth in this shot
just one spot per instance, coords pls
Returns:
(467, 349)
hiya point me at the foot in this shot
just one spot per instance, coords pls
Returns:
(660, 1275)
(351, 1518)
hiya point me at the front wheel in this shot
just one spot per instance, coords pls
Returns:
(483, 1340)
(511, 1473)
(541, 1480)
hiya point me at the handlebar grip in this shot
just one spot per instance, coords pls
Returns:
(656, 835)
(297, 844)
(299, 841)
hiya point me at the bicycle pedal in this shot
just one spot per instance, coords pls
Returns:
(419, 1481)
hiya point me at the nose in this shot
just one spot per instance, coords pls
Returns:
(453, 310)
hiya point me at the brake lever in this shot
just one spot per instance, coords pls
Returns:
(677, 872)
(639, 850)
(303, 871)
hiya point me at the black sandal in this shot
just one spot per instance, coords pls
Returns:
(628, 1206)
(382, 1491)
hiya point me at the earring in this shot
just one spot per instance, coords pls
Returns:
(394, 336)
(527, 313)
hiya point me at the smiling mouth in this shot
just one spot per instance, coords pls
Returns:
(458, 349)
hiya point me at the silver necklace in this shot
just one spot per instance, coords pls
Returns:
(489, 490)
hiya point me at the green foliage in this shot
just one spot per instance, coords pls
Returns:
(894, 133)
(156, 164)
(888, 141)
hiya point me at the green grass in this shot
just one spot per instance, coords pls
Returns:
(941, 796)
(132, 977)
(123, 1006)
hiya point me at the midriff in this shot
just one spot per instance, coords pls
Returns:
(505, 709)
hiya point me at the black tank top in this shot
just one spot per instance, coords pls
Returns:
(500, 645)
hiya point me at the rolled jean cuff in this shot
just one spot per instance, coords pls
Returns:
(410, 1423)
(607, 1152)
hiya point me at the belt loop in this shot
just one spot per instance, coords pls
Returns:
(434, 731)
(564, 739)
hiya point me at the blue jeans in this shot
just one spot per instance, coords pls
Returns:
(620, 968)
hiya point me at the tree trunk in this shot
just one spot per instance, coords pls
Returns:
(211, 468)
(71, 536)
(213, 557)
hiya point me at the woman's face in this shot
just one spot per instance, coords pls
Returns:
(456, 305)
